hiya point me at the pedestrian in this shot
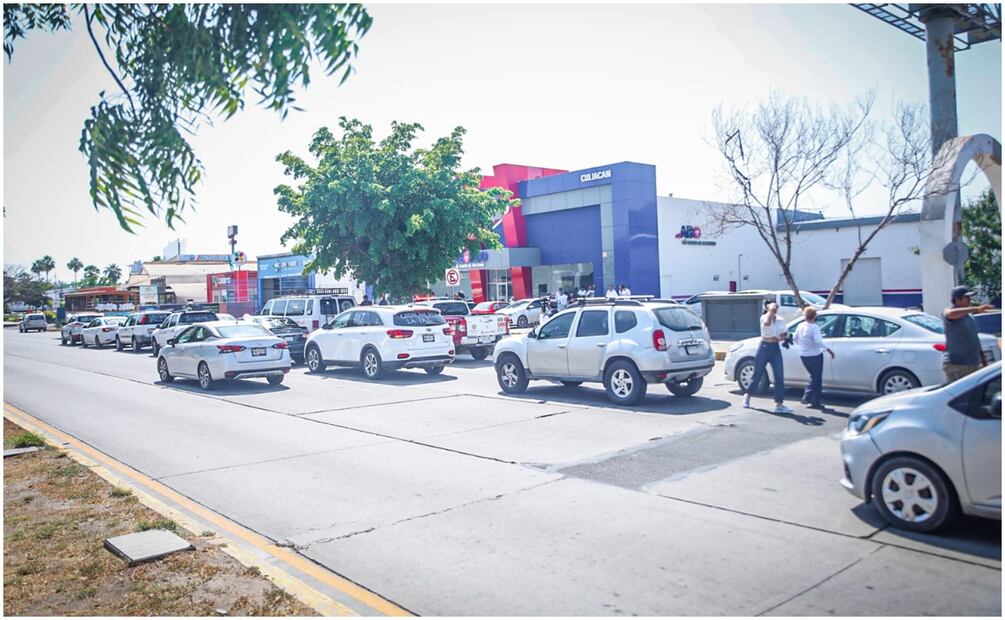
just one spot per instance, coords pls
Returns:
(963, 345)
(581, 292)
(561, 300)
(366, 301)
(611, 293)
(383, 300)
(811, 353)
(591, 292)
(773, 332)
(625, 291)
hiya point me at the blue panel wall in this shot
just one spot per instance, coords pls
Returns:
(569, 236)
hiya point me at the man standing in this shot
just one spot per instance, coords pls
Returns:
(963, 345)
(561, 300)
(383, 300)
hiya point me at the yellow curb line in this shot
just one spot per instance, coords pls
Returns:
(121, 474)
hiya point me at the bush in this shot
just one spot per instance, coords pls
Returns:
(26, 440)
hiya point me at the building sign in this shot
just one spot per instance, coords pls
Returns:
(594, 176)
(110, 307)
(283, 267)
(468, 261)
(148, 295)
(691, 235)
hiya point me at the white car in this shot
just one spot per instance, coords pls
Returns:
(788, 309)
(34, 321)
(70, 334)
(381, 338)
(308, 311)
(625, 344)
(523, 313)
(176, 322)
(101, 331)
(137, 331)
(219, 350)
(694, 301)
(881, 350)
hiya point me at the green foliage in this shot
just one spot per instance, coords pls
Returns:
(20, 287)
(177, 66)
(112, 275)
(74, 265)
(92, 276)
(982, 232)
(157, 524)
(25, 440)
(389, 215)
(47, 264)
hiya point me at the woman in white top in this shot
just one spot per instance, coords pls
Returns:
(773, 332)
(811, 352)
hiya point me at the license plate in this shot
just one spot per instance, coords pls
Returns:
(257, 351)
(486, 339)
(692, 350)
(428, 338)
(290, 338)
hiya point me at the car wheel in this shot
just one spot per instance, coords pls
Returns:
(744, 373)
(624, 383)
(156, 347)
(205, 379)
(913, 495)
(480, 353)
(83, 343)
(20, 328)
(511, 375)
(522, 321)
(572, 383)
(62, 340)
(897, 380)
(276, 380)
(687, 388)
(118, 344)
(434, 370)
(97, 343)
(373, 367)
(314, 362)
(162, 370)
(137, 347)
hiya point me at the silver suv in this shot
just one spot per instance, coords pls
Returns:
(35, 321)
(624, 344)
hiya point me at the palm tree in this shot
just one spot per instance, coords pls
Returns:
(91, 275)
(36, 267)
(47, 265)
(74, 265)
(112, 274)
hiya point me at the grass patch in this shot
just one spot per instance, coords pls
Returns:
(121, 492)
(157, 524)
(25, 440)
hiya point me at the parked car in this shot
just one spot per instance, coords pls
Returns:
(624, 344)
(474, 334)
(137, 330)
(694, 301)
(788, 309)
(287, 329)
(989, 323)
(70, 333)
(176, 322)
(524, 312)
(377, 339)
(308, 311)
(882, 350)
(923, 456)
(101, 331)
(33, 322)
(223, 350)
(489, 307)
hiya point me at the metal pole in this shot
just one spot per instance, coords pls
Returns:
(939, 24)
(739, 272)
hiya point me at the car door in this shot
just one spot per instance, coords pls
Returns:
(586, 348)
(333, 341)
(982, 446)
(863, 348)
(795, 372)
(534, 311)
(547, 354)
(355, 334)
(180, 360)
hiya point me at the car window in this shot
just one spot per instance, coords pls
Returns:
(534, 305)
(174, 319)
(152, 318)
(458, 308)
(267, 308)
(827, 323)
(186, 335)
(197, 317)
(310, 306)
(860, 326)
(926, 321)
(624, 320)
(991, 389)
(558, 327)
(592, 323)
(278, 307)
(131, 320)
(485, 305)
(678, 319)
(418, 318)
(198, 334)
(789, 300)
(295, 307)
(243, 331)
(342, 320)
(373, 319)
(94, 323)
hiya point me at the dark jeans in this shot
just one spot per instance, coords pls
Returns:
(769, 353)
(814, 365)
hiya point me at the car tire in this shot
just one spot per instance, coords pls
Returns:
(522, 322)
(137, 347)
(511, 375)
(62, 340)
(930, 502)
(275, 380)
(745, 372)
(480, 353)
(572, 383)
(624, 383)
(315, 363)
(118, 344)
(205, 377)
(83, 343)
(156, 347)
(434, 370)
(97, 343)
(162, 370)
(897, 380)
(372, 365)
(688, 388)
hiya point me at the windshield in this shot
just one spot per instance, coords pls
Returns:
(87, 318)
(678, 319)
(452, 307)
(418, 318)
(243, 331)
(153, 318)
(197, 317)
(812, 298)
(520, 305)
(926, 321)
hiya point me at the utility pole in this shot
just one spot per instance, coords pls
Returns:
(232, 236)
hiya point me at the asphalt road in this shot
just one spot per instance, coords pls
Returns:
(448, 498)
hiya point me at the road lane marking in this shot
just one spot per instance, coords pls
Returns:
(240, 532)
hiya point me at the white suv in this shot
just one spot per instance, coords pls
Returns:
(176, 323)
(624, 344)
(138, 330)
(380, 338)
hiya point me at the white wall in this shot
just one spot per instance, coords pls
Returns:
(817, 254)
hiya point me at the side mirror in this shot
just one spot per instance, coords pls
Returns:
(532, 334)
(171, 342)
(326, 326)
(995, 409)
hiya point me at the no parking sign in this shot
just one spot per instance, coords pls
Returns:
(452, 277)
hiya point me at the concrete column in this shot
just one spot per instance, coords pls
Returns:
(941, 75)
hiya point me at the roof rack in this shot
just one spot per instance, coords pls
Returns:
(603, 301)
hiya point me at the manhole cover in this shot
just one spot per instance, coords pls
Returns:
(146, 546)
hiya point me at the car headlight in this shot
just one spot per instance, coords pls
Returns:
(860, 423)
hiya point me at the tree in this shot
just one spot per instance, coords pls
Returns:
(92, 276)
(982, 232)
(74, 265)
(47, 264)
(19, 287)
(37, 268)
(389, 215)
(177, 66)
(113, 273)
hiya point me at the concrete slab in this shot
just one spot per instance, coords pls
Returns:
(796, 483)
(576, 548)
(17, 451)
(146, 546)
(338, 493)
(970, 539)
(900, 582)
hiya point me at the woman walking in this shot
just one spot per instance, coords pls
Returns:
(811, 352)
(770, 352)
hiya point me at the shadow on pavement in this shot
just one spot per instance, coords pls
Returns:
(850, 400)
(968, 535)
(231, 387)
(391, 377)
(654, 402)
(471, 363)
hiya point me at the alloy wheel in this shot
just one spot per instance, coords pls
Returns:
(508, 374)
(897, 383)
(746, 376)
(621, 383)
(204, 378)
(910, 495)
(370, 364)
(313, 361)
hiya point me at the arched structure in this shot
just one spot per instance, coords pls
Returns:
(939, 213)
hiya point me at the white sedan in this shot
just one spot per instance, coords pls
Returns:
(217, 350)
(878, 350)
(523, 313)
(101, 331)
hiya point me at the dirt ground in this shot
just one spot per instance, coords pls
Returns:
(57, 515)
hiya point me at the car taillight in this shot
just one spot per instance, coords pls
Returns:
(279, 345)
(462, 326)
(939, 346)
(403, 356)
(229, 348)
(504, 324)
(399, 333)
(448, 331)
(106, 329)
(314, 325)
(659, 340)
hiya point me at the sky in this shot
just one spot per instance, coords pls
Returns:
(564, 86)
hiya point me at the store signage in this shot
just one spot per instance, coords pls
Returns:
(691, 235)
(282, 267)
(468, 261)
(110, 307)
(148, 295)
(594, 176)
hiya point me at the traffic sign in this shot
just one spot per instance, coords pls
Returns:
(453, 277)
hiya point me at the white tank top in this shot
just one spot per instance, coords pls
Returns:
(775, 330)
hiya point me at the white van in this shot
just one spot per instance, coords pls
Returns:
(308, 311)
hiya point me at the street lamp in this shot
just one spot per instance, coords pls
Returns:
(739, 272)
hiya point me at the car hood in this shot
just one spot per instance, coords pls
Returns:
(891, 401)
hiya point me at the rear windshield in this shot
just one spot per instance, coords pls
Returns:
(418, 318)
(115, 319)
(296, 307)
(87, 318)
(277, 322)
(197, 317)
(678, 319)
(36, 316)
(153, 317)
(452, 307)
(244, 331)
(926, 321)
